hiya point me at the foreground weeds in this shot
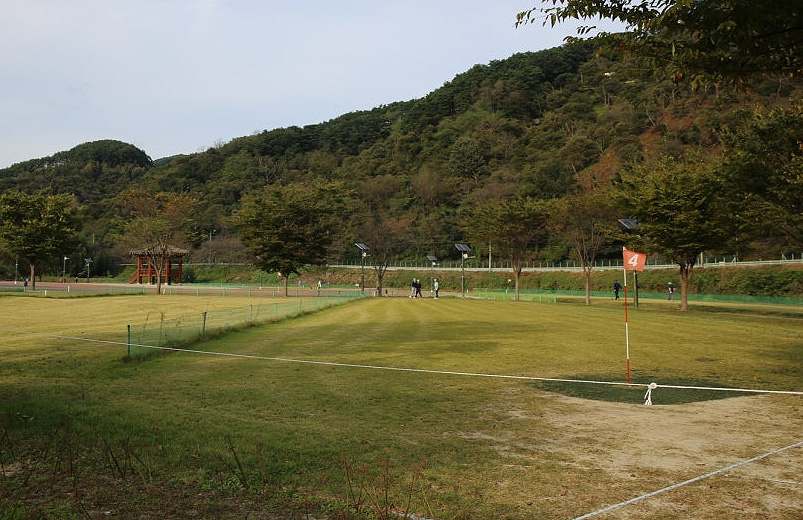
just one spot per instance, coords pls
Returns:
(67, 475)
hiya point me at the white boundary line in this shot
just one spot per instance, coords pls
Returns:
(501, 376)
(685, 482)
(403, 369)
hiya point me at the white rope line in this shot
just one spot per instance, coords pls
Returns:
(686, 482)
(405, 369)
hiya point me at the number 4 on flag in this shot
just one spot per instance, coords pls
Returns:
(633, 260)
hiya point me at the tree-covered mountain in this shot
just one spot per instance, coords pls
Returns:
(538, 124)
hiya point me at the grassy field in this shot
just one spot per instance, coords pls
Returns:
(191, 435)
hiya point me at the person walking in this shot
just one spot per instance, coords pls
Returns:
(436, 286)
(418, 289)
(412, 289)
(671, 291)
(616, 288)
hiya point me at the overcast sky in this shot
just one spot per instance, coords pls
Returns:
(178, 76)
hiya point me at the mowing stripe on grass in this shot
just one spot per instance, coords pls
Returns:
(650, 386)
(685, 482)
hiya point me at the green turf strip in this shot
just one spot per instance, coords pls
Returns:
(635, 394)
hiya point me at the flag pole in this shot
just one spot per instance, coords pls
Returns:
(627, 330)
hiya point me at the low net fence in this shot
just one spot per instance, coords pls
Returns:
(162, 332)
(551, 296)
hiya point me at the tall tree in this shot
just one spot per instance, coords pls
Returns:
(38, 226)
(514, 228)
(387, 238)
(156, 224)
(679, 205)
(288, 227)
(717, 40)
(763, 172)
(586, 220)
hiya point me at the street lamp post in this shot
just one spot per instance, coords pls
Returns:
(364, 252)
(464, 249)
(434, 261)
(209, 257)
(64, 269)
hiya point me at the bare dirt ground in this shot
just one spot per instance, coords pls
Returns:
(668, 445)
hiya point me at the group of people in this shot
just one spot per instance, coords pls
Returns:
(415, 290)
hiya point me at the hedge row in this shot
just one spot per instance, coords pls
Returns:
(775, 280)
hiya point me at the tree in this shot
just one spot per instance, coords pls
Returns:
(38, 226)
(387, 238)
(288, 227)
(514, 228)
(156, 224)
(762, 169)
(718, 40)
(679, 206)
(585, 220)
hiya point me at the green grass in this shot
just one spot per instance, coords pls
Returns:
(462, 446)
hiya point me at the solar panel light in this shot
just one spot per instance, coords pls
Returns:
(464, 249)
(629, 224)
(363, 248)
(432, 259)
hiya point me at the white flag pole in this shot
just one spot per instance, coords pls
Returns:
(627, 330)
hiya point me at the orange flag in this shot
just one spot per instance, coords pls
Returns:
(633, 260)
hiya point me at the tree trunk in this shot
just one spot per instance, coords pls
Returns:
(517, 278)
(380, 274)
(587, 273)
(157, 267)
(685, 282)
(33, 275)
(286, 291)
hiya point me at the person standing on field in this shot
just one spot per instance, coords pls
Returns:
(436, 287)
(671, 290)
(616, 288)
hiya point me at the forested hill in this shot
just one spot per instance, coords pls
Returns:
(536, 124)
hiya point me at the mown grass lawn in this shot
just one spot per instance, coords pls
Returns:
(438, 444)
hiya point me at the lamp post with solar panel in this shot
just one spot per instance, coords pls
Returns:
(464, 249)
(364, 252)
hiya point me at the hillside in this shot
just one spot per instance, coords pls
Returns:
(536, 124)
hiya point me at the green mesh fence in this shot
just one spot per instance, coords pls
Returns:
(161, 332)
(550, 296)
(527, 296)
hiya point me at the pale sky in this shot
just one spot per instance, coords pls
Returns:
(179, 76)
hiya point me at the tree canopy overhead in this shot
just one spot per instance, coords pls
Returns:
(716, 40)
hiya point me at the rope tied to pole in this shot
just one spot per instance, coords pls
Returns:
(648, 395)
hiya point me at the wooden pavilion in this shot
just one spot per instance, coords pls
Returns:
(173, 263)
